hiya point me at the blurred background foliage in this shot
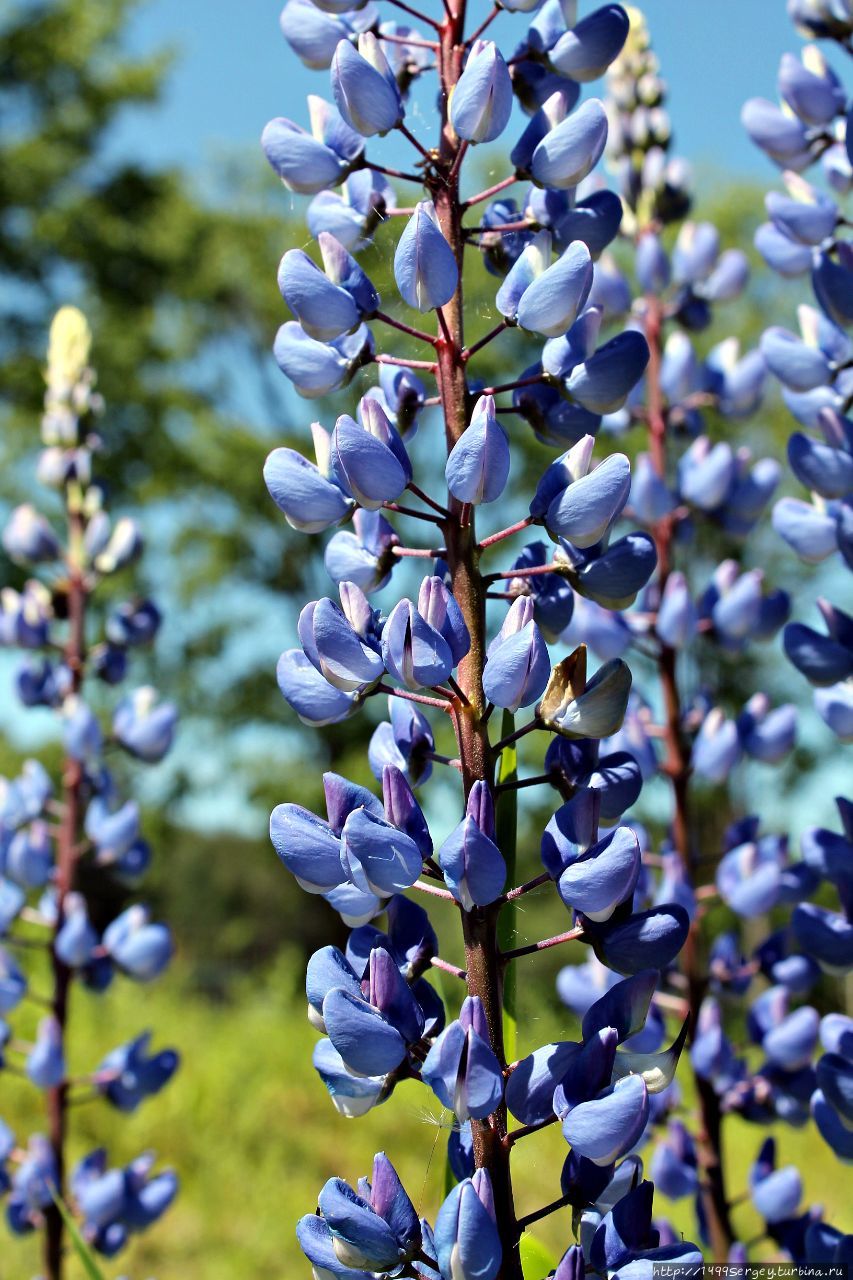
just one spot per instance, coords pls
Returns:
(179, 286)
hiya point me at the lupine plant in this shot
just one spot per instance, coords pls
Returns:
(613, 286)
(71, 848)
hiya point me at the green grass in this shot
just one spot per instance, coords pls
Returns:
(253, 1134)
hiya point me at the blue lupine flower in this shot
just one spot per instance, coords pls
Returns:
(473, 865)
(414, 653)
(76, 938)
(553, 599)
(572, 149)
(371, 1032)
(364, 87)
(613, 577)
(779, 134)
(351, 1094)
(749, 876)
(308, 162)
(812, 91)
(424, 266)
(13, 983)
(602, 382)
(674, 1167)
(33, 1184)
(352, 214)
(467, 1242)
(827, 936)
(29, 856)
(717, 748)
(130, 1073)
(314, 35)
(81, 735)
(117, 1202)
(45, 1064)
(461, 1068)
(311, 496)
(805, 215)
(676, 621)
(767, 734)
(578, 504)
(651, 264)
(835, 1080)
(626, 1244)
(795, 363)
(317, 368)
(438, 606)
(144, 726)
(602, 876)
(370, 460)
(25, 616)
(404, 741)
(547, 299)
(28, 537)
(363, 555)
(835, 1133)
(605, 1127)
(833, 285)
(775, 1193)
(823, 660)
(647, 940)
(342, 642)
(377, 855)
(308, 846)
(478, 464)
(331, 301)
(517, 663)
(140, 948)
(585, 52)
(314, 700)
(377, 1229)
(482, 98)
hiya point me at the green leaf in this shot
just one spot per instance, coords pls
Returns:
(84, 1253)
(506, 827)
(536, 1261)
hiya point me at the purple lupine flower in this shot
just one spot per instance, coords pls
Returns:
(467, 1242)
(473, 865)
(376, 1229)
(461, 1067)
(517, 665)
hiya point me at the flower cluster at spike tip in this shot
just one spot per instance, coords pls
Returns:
(499, 660)
(71, 846)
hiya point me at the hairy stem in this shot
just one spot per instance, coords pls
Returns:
(677, 768)
(67, 857)
(480, 926)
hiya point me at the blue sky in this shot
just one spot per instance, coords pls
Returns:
(235, 71)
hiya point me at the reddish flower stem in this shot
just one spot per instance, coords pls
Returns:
(676, 767)
(571, 935)
(480, 925)
(67, 858)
